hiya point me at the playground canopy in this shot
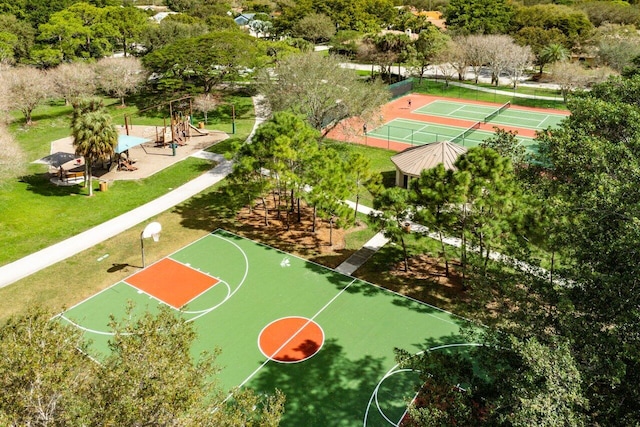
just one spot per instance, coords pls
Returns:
(127, 141)
(57, 159)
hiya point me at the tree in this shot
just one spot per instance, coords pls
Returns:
(407, 20)
(26, 88)
(573, 23)
(569, 76)
(497, 49)
(205, 103)
(261, 28)
(314, 27)
(363, 16)
(278, 157)
(203, 61)
(386, 49)
(429, 44)
(436, 198)
(552, 53)
(538, 39)
(73, 81)
(322, 90)
(120, 76)
(445, 58)
(8, 43)
(478, 16)
(170, 30)
(474, 49)
(22, 31)
(361, 177)
(329, 188)
(521, 59)
(505, 143)
(45, 58)
(148, 378)
(490, 200)
(393, 210)
(617, 46)
(504, 382)
(345, 43)
(95, 138)
(128, 24)
(604, 12)
(42, 371)
(78, 31)
(592, 170)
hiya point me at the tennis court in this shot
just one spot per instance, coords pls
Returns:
(502, 115)
(325, 339)
(415, 132)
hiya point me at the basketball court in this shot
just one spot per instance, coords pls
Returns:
(325, 339)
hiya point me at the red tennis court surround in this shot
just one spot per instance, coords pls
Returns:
(291, 339)
(171, 282)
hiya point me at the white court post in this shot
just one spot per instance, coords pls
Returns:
(151, 230)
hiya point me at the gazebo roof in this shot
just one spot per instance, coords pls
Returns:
(414, 160)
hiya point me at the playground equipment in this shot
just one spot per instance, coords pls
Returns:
(179, 129)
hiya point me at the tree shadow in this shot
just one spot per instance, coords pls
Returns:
(328, 389)
(210, 210)
(40, 184)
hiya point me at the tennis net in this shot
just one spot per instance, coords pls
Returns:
(498, 111)
(461, 137)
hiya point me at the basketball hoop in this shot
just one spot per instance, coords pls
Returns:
(151, 230)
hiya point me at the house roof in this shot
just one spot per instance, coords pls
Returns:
(244, 18)
(161, 15)
(414, 160)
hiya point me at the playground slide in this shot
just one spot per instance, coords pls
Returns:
(199, 131)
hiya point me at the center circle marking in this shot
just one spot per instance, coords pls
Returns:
(291, 339)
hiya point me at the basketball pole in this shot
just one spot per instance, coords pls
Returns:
(142, 247)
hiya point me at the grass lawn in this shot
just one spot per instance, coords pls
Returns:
(36, 214)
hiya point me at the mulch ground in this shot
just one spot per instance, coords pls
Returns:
(424, 281)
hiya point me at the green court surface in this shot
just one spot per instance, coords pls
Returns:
(509, 116)
(345, 375)
(418, 133)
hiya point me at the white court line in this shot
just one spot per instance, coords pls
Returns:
(200, 312)
(292, 337)
(394, 370)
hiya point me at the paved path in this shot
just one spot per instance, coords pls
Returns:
(37, 261)
(361, 256)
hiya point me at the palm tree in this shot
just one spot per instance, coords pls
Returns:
(551, 53)
(94, 137)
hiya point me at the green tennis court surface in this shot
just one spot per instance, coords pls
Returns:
(325, 339)
(509, 117)
(418, 133)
